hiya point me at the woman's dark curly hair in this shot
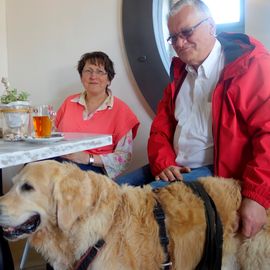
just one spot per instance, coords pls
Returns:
(99, 59)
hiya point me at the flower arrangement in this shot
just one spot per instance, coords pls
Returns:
(15, 109)
(12, 94)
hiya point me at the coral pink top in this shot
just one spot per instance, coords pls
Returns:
(112, 117)
(116, 120)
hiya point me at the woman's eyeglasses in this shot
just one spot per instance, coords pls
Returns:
(97, 72)
(184, 34)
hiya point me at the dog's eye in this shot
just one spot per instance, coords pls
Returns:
(26, 187)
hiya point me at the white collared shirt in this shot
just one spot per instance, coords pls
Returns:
(193, 140)
(106, 104)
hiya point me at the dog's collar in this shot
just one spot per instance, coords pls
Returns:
(89, 256)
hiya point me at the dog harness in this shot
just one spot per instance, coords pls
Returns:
(212, 257)
(160, 217)
(89, 256)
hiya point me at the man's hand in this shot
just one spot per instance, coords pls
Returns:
(172, 173)
(253, 217)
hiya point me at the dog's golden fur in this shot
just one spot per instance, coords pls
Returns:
(78, 208)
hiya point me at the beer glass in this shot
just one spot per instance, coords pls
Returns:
(42, 122)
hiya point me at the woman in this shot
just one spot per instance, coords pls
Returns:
(96, 110)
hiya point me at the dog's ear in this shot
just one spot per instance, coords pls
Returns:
(71, 196)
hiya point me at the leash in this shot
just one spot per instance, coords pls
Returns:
(164, 241)
(212, 257)
(89, 256)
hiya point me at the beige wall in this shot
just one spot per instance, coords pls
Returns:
(3, 46)
(258, 20)
(3, 43)
(44, 40)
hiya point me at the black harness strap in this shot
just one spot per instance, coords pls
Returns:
(89, 256)
(164, 241)
(212, 257)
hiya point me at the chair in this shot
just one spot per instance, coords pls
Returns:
(24, 255)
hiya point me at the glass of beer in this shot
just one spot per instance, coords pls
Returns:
(42, 122)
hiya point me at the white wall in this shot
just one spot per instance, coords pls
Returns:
(3, 47)
(3, 43)
(46, 38)
(258, 20)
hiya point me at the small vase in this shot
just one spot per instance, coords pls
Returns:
(15, 120)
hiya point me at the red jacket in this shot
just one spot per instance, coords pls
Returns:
(240, 114)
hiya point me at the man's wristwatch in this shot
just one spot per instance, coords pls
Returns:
(91, 159)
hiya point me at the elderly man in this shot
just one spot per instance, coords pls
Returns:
(214, 117)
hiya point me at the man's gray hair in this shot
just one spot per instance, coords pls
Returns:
(199, 5)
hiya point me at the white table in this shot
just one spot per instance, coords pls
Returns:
(16, 153)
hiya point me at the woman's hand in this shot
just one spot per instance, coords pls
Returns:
(172, 173)
(78, 157)
(83, 158)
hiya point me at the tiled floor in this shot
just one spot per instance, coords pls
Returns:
(33, 261)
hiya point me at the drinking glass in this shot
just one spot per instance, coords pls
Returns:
(42, 122)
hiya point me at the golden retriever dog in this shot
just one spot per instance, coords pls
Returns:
(64, 211)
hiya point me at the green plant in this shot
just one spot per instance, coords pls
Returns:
(12, 95)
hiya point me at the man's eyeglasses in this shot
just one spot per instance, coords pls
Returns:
(184, 34)
(97, 72)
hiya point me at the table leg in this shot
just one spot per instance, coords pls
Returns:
(6, 261)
